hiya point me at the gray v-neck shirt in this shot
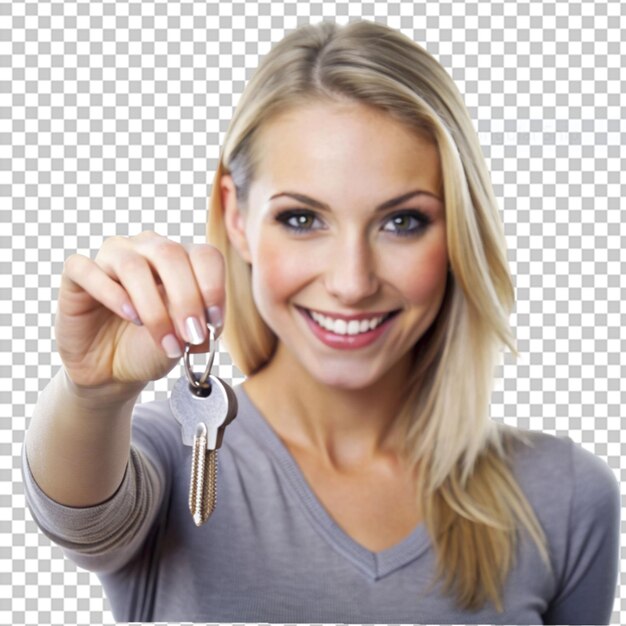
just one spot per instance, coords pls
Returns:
(272, 553)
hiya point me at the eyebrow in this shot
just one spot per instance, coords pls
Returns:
(381, 207)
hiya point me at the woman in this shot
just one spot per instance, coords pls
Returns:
(366, 296)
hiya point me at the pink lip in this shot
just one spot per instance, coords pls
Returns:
(346, 342)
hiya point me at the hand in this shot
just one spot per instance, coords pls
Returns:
(166, 282)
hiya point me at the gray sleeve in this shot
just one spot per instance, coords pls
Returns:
(587, 588)
(104, 537)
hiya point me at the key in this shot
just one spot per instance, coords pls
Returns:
(203, 413)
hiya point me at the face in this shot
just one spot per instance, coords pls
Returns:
(319, 238)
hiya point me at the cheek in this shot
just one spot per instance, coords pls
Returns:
(279, 270)
(423, 277)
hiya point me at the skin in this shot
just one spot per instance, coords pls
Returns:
(335, 408)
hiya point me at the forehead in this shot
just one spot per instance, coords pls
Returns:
(339, 143)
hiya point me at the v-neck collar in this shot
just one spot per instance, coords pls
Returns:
(375, 565)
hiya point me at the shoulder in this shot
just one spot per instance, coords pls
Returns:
(596, 489)
(539, 458)
(563, 477)
(562, 454)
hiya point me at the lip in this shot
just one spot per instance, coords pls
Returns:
(348, 318)
(346, 342)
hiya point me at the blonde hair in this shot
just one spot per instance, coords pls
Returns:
(471, 503)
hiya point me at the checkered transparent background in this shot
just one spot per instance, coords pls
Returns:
(111, 118)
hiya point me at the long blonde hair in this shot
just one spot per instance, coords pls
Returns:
(471, 503)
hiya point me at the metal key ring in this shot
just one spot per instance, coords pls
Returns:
(202, 383)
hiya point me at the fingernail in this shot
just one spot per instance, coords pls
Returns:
(194, 330)
(129, 312)
(171, 347)
(214, 315)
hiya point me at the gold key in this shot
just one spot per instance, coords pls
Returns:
(203, 489)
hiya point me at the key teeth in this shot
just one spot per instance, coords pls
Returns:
(210, 484)
(203, 489)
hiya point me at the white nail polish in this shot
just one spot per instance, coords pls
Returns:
(194, 331)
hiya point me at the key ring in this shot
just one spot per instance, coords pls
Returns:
(202, 383)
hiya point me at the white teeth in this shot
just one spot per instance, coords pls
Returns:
(341, 327)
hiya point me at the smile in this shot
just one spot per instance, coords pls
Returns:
(342, 334)
(348, 327)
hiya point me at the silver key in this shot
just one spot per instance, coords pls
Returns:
(203, 409)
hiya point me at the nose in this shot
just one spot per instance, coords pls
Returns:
(351, 275)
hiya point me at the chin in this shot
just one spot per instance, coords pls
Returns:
(344, 379)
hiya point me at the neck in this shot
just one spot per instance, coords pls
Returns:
(344, 429)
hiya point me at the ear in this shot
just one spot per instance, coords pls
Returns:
(234, 219)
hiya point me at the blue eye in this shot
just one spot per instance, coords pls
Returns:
(302, 225)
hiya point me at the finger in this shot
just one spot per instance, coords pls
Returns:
(172, 263)
(80, 273)
(208, 266)
(135, 273)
